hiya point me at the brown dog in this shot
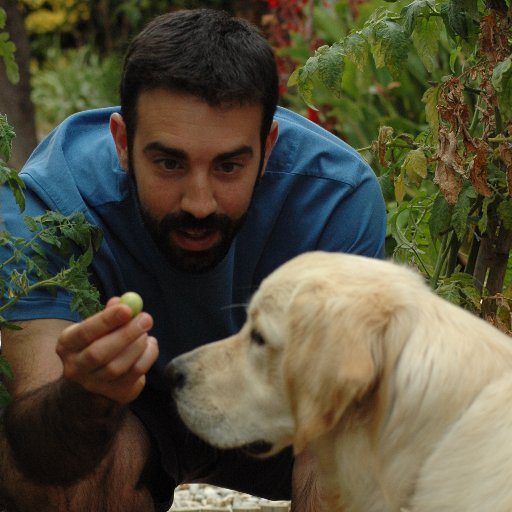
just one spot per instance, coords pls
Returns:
(403, 398)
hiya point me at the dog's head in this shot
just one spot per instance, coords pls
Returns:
(311, 349)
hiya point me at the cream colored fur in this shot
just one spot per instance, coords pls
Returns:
(404, 399)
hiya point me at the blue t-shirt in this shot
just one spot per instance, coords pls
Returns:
(317, 194)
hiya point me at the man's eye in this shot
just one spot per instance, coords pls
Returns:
(257, 337)
(229, 167)
(168, 164)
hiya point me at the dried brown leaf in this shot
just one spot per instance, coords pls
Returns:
(385, 134)
(449, 166)
(478, 169)
(449, 182)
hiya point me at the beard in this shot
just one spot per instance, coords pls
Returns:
(161, 231)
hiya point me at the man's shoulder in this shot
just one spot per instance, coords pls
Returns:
(82, 135)
(306, 149)
(73, 161)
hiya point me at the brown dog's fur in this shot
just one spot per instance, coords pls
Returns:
(403, 398)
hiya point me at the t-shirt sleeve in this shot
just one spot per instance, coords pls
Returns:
(324, 190)
(357, 223)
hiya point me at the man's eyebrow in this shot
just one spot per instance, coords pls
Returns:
(241, 151)
(244, 150)
(169, 151)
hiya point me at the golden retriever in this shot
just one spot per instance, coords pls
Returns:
(404, 399)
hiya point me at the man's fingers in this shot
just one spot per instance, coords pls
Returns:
(104, 350)
(112, 301)
(78, 336)
(148, 358)
(128, 386)
(124, 360)
(109, 353)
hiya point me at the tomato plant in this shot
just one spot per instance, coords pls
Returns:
(70, 236)
(443, 145)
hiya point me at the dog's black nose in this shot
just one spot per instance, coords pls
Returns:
(174, 376)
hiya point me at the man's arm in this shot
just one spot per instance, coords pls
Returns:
(71, 385)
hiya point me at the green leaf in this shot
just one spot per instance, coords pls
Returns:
(16, 184)
(501, 74)
(461, 211)
(502, 81)
(425, 39)
(415, 166)
(399, 187)
(7, 50)
(3, 18)
(19, 284)
(356, 49)
(31, 223)
(331, 66)
(413, 12)
(484, 217)
(459, 288)
(85, 259)
(50, 238)
(441, 217)
(504, 211)
(430, 98)
(293, 80)
(455, 19)
(8, 325)
(305, 80)
(6, 137)
(390, 46)
(387, 188)
(470, 7)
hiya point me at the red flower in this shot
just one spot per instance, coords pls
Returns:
(313, 115)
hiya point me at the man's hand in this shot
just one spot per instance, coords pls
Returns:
(109, 353)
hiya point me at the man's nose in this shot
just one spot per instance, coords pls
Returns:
(198, 197)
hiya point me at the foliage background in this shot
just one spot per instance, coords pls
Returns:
(422, 88)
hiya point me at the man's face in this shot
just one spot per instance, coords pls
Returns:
(195, 169)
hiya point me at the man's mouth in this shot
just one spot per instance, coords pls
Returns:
(195, 240)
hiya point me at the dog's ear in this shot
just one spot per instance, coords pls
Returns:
(332, 358)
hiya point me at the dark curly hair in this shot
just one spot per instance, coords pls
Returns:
(207, 53)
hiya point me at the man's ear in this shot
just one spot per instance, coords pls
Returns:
(118, 131)
(269, 144)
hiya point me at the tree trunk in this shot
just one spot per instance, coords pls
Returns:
(491, 262)
(15, 99)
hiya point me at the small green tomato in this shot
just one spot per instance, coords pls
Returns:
(133, 300)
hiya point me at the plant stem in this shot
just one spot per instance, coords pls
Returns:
(499, 138)
(23, 248)
(52, 282)
(443, 251)
(474, 121)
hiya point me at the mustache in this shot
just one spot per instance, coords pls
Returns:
(184, 220)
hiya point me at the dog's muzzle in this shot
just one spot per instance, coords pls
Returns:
(174, 376)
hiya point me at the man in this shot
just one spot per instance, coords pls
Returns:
(201, 189)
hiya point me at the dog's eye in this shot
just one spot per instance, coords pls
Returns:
(257, 338)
